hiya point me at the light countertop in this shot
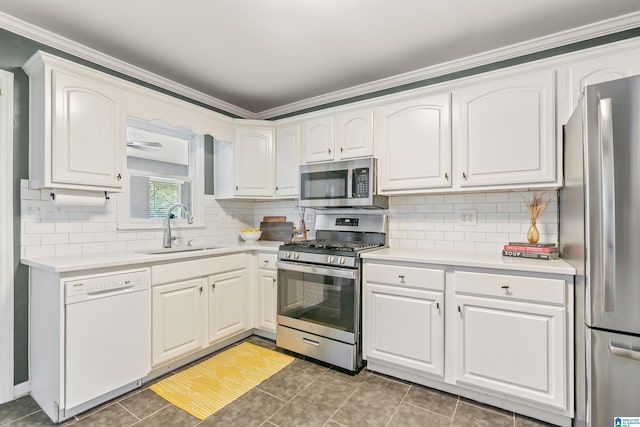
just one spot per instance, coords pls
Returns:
(470, 259)
(70, 263)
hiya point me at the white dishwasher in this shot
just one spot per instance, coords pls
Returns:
(107, 334)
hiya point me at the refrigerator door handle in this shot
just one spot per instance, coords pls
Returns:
(608, 254)
(624, 352)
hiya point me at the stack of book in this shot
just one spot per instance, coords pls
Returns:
(531, 250)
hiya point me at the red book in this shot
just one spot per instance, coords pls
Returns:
(536, 249)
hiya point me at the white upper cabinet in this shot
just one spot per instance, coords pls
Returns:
(413, 140)
(593, 70)
(253, 161)
(354, 134)
(287, 160)
(77, 126)
(345, 135)
(318, 139)
(504, 132)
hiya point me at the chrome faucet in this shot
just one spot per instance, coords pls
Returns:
(168, 239)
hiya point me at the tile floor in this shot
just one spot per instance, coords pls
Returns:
(302, 394)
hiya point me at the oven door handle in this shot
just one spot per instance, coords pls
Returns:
(326, 271)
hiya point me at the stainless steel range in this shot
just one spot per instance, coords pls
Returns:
(319, 288)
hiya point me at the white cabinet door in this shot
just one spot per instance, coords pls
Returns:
(504, 132)
(87, 132)
(253, 159)
(267, 294)
(597, 70)
(288, 160)
(227, 304)
(516, 348)
(177, 320)
(404, 326)
(413, 140)
(354, 134)
(318, 139)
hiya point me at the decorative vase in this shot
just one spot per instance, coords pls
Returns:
(532, 234)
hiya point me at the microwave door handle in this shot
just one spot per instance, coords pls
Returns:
(350, 188)
(608, 254)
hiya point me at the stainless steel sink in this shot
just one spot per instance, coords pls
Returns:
(179, 249)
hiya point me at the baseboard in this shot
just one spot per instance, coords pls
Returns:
(21, 389)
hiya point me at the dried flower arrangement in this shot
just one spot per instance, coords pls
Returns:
(536, 205)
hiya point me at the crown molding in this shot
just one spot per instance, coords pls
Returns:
(71, 47)
(602, 28)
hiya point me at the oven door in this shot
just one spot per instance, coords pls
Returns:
(324, 301)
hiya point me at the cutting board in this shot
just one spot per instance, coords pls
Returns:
(274, 218)
(278, 231)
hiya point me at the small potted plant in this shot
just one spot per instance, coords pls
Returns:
(536, 205)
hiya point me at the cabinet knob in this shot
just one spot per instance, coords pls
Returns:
(341, 149)
(201, 289)
(505, 286)
(213, 286)
(446, 176)
(401, 277)
(329, 150)
(236, 188)
(464, 175)
(274, 279)
(119, 176)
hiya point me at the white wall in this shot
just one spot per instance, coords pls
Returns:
(414, 221)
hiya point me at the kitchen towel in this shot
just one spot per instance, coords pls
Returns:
(209, 386)
(66, 197)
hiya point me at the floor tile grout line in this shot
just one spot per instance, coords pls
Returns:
(296, 395)
(453, 416)
(126, 409)
(426, 409)
(355, 389)
(21, 417)
(399, 404)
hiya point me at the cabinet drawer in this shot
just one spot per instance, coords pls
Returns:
(513, 287)
(400, 275)
(184, 270)
(267, 261)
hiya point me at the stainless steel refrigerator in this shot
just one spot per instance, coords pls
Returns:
(600, 237)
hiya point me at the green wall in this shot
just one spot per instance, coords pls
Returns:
(15, 50)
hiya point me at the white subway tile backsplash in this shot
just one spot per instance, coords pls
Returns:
(420, 221)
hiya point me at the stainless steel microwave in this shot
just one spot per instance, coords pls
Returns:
(342, 184)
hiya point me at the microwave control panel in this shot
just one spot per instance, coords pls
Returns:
(360, 183)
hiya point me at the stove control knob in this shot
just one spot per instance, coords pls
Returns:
(296, 255)
(342, 260)
(287, 254)
(331, 258)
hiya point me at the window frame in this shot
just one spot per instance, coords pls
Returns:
(196, 176)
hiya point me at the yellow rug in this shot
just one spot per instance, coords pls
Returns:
(210, 385)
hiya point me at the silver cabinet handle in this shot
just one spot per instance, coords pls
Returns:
(624, 352)
(608, 254)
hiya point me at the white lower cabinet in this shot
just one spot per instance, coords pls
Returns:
(177, 320)
(267, 292)
(403, 318)
(227, 304)
(197, 303)
(507, 339)
(511, 335)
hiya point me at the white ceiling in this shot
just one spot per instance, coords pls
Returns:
(263, 54)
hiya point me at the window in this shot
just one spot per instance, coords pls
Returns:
(164, 167)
